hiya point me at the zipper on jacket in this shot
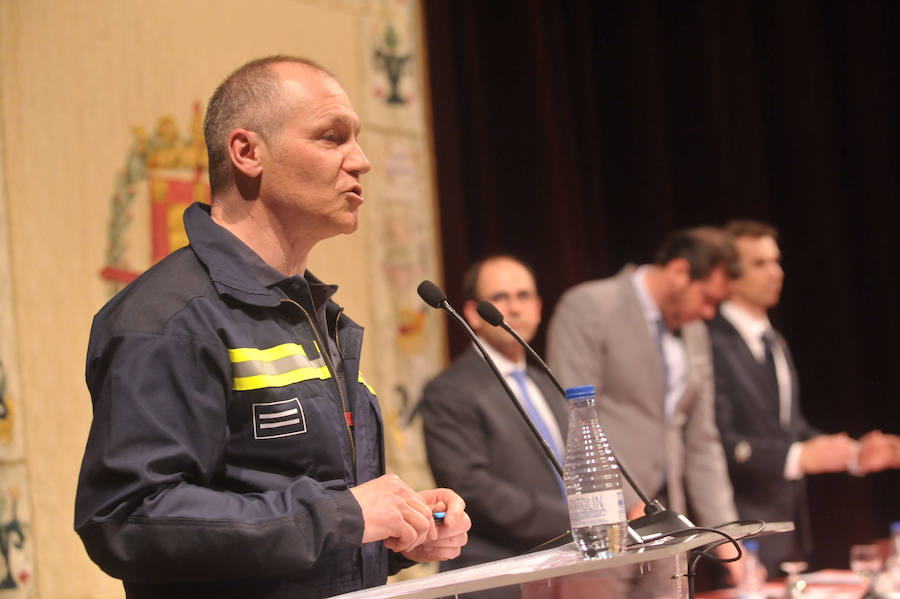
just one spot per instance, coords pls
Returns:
(337, 338)
(323, 349)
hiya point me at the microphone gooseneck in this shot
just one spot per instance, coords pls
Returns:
(434, 297)
(492, 316)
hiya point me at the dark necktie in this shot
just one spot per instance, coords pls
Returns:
(770, 374)
(539, 423)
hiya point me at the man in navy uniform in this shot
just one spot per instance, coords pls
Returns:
(236, 449)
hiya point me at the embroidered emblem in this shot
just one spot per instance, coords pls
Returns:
(14, 536)
(7, 411)
(278, 419)
(165, 172)
(394, 64)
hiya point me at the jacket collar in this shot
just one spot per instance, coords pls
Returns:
(227, 259)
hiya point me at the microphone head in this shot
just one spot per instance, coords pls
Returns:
(490, 313)
(431, 294)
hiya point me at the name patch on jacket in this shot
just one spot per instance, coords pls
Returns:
(278, 419)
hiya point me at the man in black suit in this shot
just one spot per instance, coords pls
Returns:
(769, 445)
(477, 442)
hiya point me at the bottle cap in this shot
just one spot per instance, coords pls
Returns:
(583, 391)
(751, 546)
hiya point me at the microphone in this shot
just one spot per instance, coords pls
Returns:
(434, 297)
(491, 315)
(657, 521)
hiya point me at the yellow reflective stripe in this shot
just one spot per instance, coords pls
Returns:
(278, 366)
(261, 381)
(243, 354)
(369, 387)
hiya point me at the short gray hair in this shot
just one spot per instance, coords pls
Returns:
(249, 98)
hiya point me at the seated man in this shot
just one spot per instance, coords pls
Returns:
(476, 440)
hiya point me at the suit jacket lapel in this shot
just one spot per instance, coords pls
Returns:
(498, 402)
(751, 365)
(690, 356)
(645, 347)
(794, 399)
(551, 395)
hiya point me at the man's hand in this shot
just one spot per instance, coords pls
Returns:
(394, 513)
(735, 570)
(636, 511)
(452, 534)
(878, 451)
(827, 453)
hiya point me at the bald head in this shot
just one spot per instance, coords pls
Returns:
(509, 284)
(250, 98)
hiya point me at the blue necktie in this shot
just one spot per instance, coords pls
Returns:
(660, 334)
(539, 422)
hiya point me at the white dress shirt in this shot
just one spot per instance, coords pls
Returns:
(751, 329)
(506, 367)
(674, 352)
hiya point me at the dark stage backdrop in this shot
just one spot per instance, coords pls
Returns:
(577, 134)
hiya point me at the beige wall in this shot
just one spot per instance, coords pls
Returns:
(75, 78)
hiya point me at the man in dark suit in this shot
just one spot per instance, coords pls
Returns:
(476, 440)
(769, 445)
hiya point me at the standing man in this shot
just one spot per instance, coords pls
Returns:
(769, 444)
(236, 450)
(637, 338)
(476, 440)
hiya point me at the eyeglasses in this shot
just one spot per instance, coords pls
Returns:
(504, 298)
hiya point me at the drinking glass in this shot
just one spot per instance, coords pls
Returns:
(865, 560)
(794, 586)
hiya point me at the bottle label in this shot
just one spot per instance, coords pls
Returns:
(601, 507)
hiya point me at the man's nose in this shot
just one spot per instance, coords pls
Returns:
(511, 308)
(356, 160)
(516, 303)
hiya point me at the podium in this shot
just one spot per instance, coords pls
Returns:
(564, 563)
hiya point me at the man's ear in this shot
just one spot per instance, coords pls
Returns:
(243, 151)
(678, 272)
(470, 311)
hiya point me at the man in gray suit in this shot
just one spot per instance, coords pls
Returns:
(476, 440)
(637, 337)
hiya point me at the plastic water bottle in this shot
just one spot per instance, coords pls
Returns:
(752, 576)
(593, 483)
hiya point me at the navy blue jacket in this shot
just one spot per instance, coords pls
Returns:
(756, 444)
(221, 451)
